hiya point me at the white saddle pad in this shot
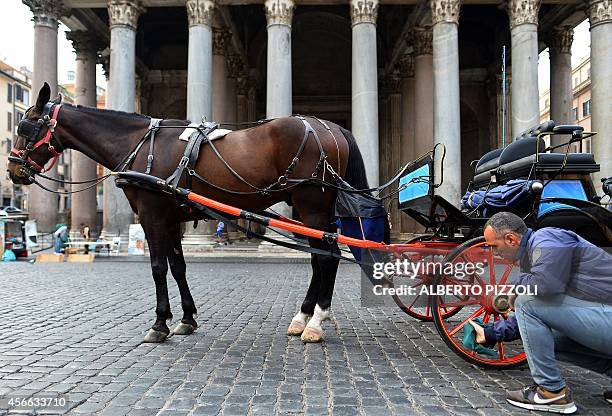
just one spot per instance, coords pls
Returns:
(214, 135)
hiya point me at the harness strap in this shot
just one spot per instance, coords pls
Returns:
(155, 122)
(190, 156)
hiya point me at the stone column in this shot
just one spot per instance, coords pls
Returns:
(559, 44)
(242, 96)
(84, 206)
(199, 60)
(423, 90)
(394, 85)
(600, 15)
(524, 54)
(219, 74)
(43, 205)
(447, 130)
(407, 153)
(279, 14)
(123, 18)
(364, 89)
(234, 66)
(279, 95)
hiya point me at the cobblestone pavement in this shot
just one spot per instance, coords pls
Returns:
(77, 329)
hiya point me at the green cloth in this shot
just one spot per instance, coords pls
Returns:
(469, 339)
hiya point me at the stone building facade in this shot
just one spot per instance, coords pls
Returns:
(402, 75)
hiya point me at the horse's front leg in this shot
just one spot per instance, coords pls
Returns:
(158, 248)
(178, 268)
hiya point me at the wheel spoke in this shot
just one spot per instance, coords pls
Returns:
(486, 318)
(506, 274)
(476, 314)
(460, 303)
(500, 350)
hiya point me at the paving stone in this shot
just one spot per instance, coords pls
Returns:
(373, 361)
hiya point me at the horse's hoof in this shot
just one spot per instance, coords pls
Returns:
(183, 329)
(296, 328)
(155, 336)
(311, 335)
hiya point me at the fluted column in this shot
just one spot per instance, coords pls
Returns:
(199, 60)
(394, 85)
(524, 53)
(407, 153)
(364, 117)
(279, 14)
(83, 205)
(600, 16)
(234, 66)
(123, 19)
(423, 90)
(43, 205)
(219, 74)
(447, 130)
(559, 43)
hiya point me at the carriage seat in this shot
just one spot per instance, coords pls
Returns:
(517, 159)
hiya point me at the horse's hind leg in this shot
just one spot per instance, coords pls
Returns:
(299, 321)
(328, 267)
(178, 270)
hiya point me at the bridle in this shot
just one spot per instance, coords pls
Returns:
(30, 130)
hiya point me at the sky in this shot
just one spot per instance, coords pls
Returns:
(17, 43)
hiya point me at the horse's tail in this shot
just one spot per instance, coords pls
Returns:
(355, 174)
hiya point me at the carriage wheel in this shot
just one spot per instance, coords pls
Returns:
(418, 306)
(495, 271)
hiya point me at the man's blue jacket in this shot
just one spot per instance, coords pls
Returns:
(556, 261)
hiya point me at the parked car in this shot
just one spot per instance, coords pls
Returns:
(8, 209)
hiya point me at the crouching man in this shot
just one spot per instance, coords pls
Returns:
(569, 319)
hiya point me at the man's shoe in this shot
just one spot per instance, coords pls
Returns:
(608, 396)
(538, 398)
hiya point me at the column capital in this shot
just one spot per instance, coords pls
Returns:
(560, 39)
(124, 13)
(422, 40)
(523, 11)
(46, 12)
(279, 12)
(200, 12)
(84, 41)
(364, 11)
(405, 66)
(599, 11)
(445, 11)
(220, 41)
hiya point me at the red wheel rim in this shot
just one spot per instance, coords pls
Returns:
(497, 272)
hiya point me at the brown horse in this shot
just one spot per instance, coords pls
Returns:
(260, 155)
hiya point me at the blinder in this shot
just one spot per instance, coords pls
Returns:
(30, 130)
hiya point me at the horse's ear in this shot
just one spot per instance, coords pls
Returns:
(58, 99)
(43, 97)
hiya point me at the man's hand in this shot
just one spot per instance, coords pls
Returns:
(480, 335)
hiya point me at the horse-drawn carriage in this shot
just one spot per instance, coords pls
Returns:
(297, 159)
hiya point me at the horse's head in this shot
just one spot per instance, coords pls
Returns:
(37, 142)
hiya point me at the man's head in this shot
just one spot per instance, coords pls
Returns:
(504, 232)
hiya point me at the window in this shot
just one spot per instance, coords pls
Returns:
(588, 72)
(18, 117)
(9, 121)
(9, 96)
(26, 97)
(586, 108)
(18, 93)
(575, 113)
(575, 81)
(9, 145)
(546, 103)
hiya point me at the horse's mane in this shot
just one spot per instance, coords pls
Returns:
(94, 110)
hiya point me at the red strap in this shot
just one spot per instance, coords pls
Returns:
(47, 136)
